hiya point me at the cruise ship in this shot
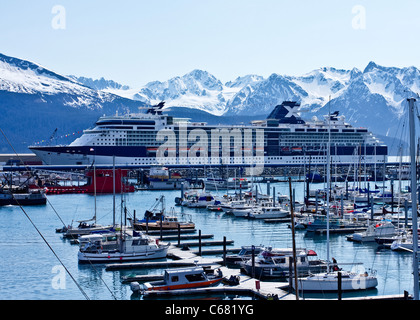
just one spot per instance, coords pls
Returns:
(154, 138)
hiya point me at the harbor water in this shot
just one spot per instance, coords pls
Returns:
(33, 254)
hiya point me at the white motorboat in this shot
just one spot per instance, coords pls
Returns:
(229, 206)
(201, 200)
(275, 263)
(244, 254)
(130, 248)
(268, 213)
(403, 243)
(242, 212)
(381, 229)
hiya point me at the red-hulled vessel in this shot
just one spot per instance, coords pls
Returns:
(101, 178)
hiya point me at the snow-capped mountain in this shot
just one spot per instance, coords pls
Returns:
(197, 89)
(374, 98)
(35, 100)
(255, 95)
(100, 84)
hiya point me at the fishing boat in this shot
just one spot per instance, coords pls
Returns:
(161, 178)
(22, 196)
(154, 214)
(134, 247)
(275, 263)
(149, 217)
(183, 278)
(167, 223)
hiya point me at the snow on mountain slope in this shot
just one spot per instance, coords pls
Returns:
(34, 101)
(21, 76)
(26, 77)
(262, 96)
(374, 97)
(253, 94)
(197, 89)
(322, 84)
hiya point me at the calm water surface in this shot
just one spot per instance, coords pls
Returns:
(30, 270)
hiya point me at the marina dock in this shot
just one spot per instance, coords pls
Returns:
(340, 230)
(187, 237)
(205, 243)
(247, 285)
(192, 247)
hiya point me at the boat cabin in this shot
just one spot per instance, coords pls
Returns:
(184, 276)
(281, 257)
(92, 242)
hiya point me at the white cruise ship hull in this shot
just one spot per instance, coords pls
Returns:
(59, 158)
(154, 138)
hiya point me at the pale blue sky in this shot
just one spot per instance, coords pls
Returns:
(134, 42)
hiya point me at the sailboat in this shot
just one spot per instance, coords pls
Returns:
(86, 227)
(329, 281)
(336, 279)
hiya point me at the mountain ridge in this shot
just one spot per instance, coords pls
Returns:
(373, 98)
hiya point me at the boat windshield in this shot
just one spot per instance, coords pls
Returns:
(195, 277)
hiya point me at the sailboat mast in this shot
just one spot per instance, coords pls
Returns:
(113, 188)
(94, 186)
(293, 238)
(414, 199)
(328, 183)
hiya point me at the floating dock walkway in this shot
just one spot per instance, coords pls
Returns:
(248, 286)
